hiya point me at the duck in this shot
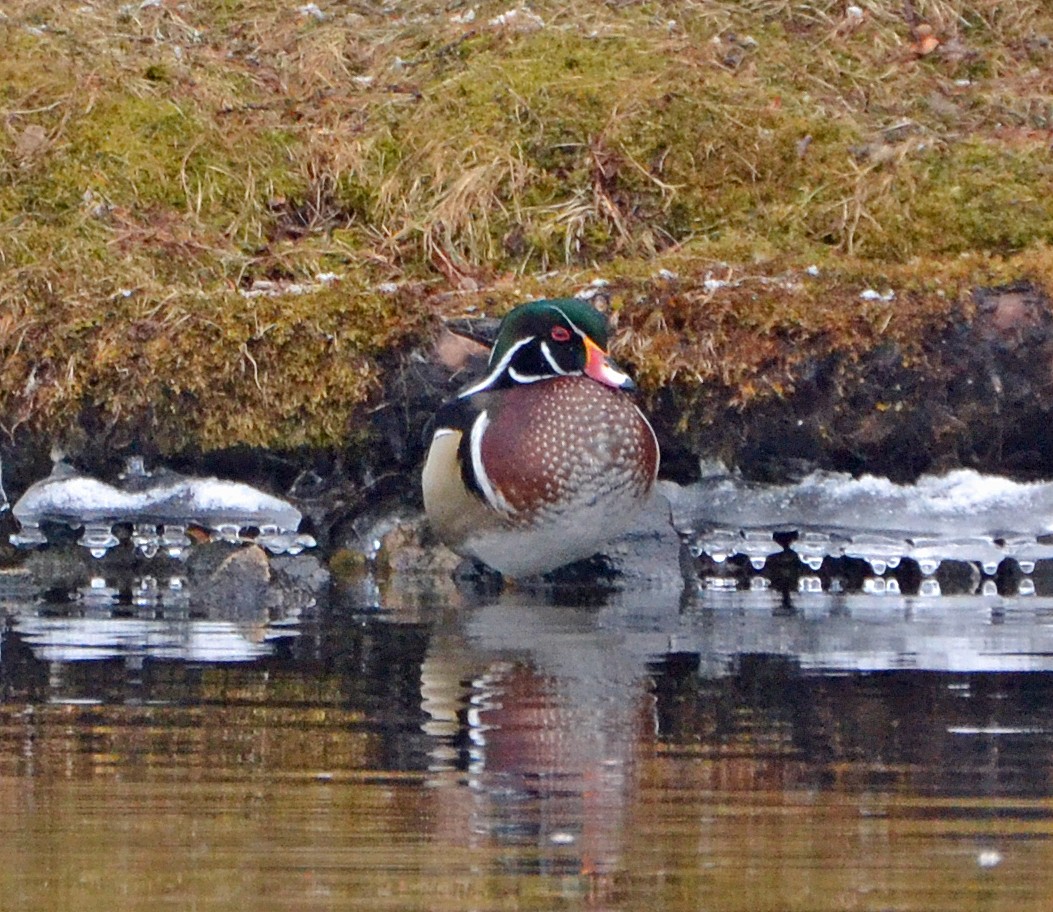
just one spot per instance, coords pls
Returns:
(547, 458)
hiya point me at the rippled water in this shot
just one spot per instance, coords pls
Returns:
(419, 748)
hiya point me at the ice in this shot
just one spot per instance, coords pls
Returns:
(757, 546)
(720, 544)
(963, 503)
(809, 584)
(145, 538)
(980, 550)
(29, 536)
(813, 547)
(227, 532)
(1027, 551)
(929, 587)
(278, 541)
(882, 552)
(98, 539)
(174, 540)
(159, 506)
(961, 516)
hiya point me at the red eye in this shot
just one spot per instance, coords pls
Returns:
(560, 334)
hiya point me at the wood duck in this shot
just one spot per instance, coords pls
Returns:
(547, 458)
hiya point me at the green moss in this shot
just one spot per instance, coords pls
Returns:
(347, 566)
(986, 197)
(151, 166)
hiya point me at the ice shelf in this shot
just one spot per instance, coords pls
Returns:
(963, 516)
(159, 507)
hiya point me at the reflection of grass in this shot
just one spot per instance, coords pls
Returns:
(157, 159)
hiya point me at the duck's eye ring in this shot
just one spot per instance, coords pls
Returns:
(560, 334)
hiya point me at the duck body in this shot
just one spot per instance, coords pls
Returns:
(547, 458)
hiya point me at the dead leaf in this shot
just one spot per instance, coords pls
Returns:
(30, 142)
(925, 42)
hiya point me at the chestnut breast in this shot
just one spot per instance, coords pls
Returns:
(567, 441)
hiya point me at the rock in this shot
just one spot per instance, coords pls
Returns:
(229, 583)
(304, 572)
(60, 568)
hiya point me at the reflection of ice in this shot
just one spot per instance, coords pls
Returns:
(857, 632)
(159, 506)
(541, 710)
(71, 639)
(962, 516)
(146, 616)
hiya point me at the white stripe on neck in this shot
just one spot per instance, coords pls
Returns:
(526, 378)
(547, 352)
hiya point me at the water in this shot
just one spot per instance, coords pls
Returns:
(837, 696)
(403, 745)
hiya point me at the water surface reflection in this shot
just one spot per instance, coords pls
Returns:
(728, 750)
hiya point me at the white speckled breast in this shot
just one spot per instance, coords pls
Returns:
(562, 444)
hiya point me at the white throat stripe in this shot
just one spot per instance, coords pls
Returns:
(526, 378)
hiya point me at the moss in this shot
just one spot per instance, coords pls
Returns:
(152, 166)
(986, 197)
(347, 566)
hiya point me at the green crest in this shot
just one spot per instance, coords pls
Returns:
(536, 318)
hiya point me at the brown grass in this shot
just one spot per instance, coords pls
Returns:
(158, 160)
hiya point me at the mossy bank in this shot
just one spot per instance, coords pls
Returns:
(234, 225)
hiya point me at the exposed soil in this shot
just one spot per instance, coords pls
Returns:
(979, 396)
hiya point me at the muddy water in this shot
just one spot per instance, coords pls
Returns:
(417, 750)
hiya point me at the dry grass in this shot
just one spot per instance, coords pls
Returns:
(157, 159)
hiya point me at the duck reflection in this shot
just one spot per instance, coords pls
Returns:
(543, 709)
